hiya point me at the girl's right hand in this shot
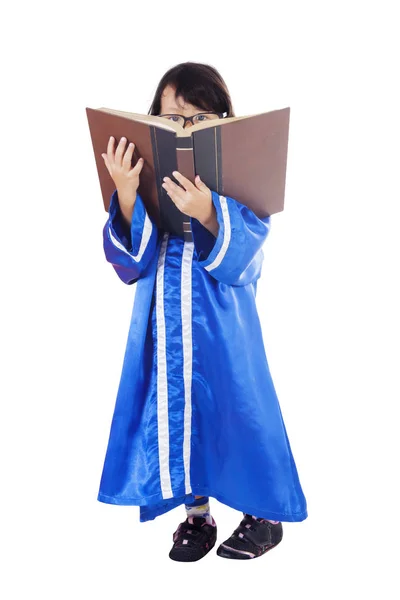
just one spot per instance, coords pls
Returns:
(119, 166)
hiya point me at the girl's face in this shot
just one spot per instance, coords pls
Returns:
(177, 106)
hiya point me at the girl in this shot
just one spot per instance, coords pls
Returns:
(196, 413)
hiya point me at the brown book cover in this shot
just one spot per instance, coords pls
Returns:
(241, 157)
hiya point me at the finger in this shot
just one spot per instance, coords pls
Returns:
(127, 160)
(110, 150)
(106, 162)
(187, 184)
(201, 185)
(120, 151)
(138, 167)
(169, 185)
(177, 200)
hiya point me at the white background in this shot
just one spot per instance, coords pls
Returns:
(328, 297)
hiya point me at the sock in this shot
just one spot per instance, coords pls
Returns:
(199, 508)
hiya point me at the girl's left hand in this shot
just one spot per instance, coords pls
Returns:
(194, 201)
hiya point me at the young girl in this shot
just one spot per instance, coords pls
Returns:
(196, 413)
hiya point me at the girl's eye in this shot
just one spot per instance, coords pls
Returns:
(201, 117)
(174, 118)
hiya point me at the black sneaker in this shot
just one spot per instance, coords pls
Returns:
(193, 539)
(251, 539)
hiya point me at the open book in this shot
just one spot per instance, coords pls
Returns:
(241, 157)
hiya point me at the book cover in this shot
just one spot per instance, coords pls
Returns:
(241, 157)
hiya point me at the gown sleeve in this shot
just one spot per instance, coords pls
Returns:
(235, 256)
(129, 251)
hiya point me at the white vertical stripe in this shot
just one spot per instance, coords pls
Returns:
(227, 235)
(146, 234)
(186, 309)
(117, 243)
(162, 379)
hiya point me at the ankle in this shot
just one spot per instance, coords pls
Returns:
(200, 508)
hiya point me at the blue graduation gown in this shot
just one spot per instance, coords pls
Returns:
(196, 411)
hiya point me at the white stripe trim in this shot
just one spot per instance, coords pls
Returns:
(146, 234)
(227, 235)
(187, 343)
(117, 243)
(162, 379)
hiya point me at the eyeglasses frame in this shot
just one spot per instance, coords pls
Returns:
(186, 119)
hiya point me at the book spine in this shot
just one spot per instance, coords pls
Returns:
(207, 157)
(165, 162)
(185, 162)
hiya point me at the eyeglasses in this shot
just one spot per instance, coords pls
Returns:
(195, 119)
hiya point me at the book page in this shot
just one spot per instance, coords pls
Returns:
(169, 125)
(214, 123)
(150, 119)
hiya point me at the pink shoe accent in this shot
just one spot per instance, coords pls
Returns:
(238, 551)
(265, 520)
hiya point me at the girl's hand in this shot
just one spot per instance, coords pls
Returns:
(194, 201)
(119, 166)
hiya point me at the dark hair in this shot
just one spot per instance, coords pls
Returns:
(198, 84)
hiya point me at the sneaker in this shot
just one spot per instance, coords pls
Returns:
(251, 539)
(193, 539)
